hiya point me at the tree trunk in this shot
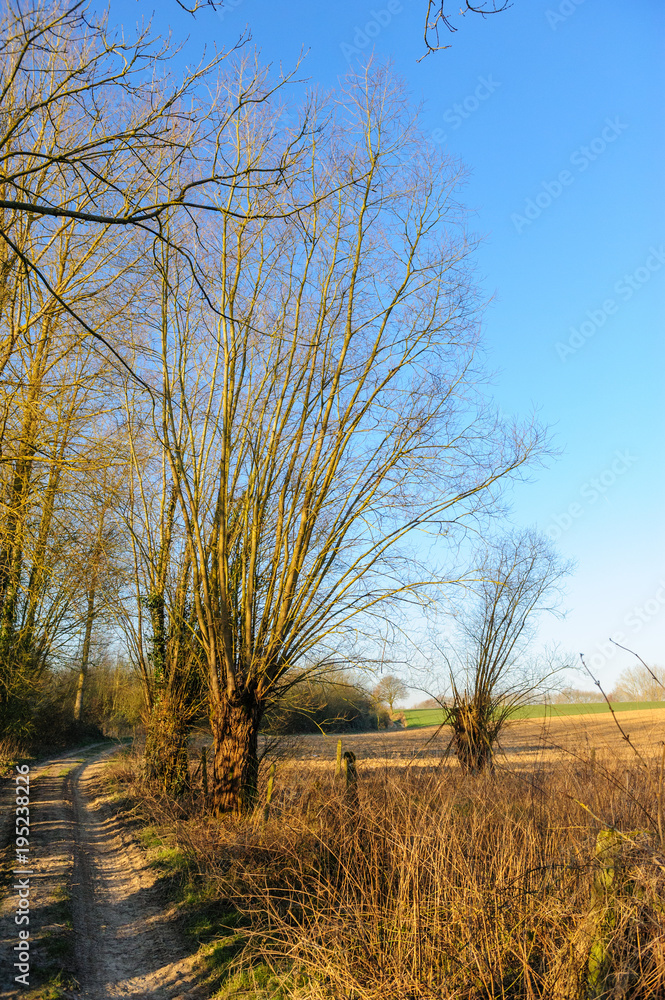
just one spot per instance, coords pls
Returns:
(80, 684)
(83, 672)
(473, 735)
(235, 729)
(165, 755)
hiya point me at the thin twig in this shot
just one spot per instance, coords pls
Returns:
(646, 667)
(623, 732)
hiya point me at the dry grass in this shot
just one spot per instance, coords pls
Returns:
(542, 882)
(11, 750)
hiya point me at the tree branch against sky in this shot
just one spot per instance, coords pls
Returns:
(95, 130)
(441, 12)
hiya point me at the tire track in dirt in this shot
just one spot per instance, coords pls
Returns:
(126, 944)
(50, 864)
(125, 941)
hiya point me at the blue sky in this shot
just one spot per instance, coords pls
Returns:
(559, 118)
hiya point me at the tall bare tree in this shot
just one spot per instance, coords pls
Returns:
(326, 407)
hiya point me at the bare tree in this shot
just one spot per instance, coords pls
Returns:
(516, 579)
(640, 683)
(389, 690)
(325, 408)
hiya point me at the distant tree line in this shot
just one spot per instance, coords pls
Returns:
(639, 683)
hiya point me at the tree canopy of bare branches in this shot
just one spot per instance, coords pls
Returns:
(326, 406)
(96, 130)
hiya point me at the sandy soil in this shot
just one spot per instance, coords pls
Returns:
(126, 944)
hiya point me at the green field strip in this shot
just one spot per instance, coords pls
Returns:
(418, 717)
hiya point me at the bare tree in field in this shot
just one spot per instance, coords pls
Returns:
(491, 675)
(325, 407)
(389, 690)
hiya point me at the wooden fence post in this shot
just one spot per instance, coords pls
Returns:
(271, 782)
(351, 780)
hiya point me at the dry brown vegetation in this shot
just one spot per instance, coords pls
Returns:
(541, 881)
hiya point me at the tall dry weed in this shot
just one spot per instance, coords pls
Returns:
(449, 885)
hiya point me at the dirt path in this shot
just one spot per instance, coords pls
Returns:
(88, 870)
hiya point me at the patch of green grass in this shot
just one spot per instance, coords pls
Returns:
(258, 982)
(67, 770)
(165, 857)
(60, 909)
(222, 952)
(150, 839)
(171, 860)
(418, 717)
(207, 917)
(59, 986)
(591, 708)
